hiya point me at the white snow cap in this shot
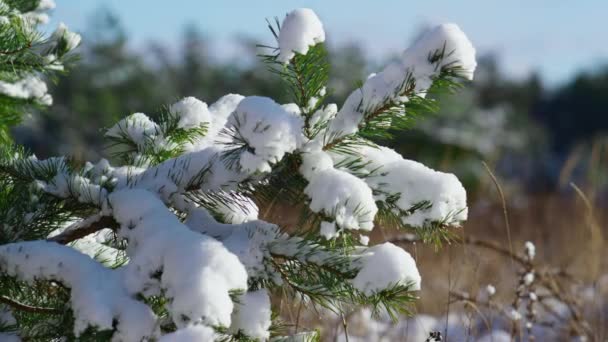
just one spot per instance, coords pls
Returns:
(252, 315)
(388, 174)
(300, 30)
(71, 39)
(31, 87)
(328, 230)
(268, 129)
(337, 193)
(198, 272)
(98, 294)
(191, 111)
(446, 42)
(449, 39)
(137, 127)
(386, 265)
(238, 210)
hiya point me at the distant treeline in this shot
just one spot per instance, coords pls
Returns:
(112, 80)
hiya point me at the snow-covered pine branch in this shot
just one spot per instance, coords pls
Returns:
(26, 55)
(180, 216)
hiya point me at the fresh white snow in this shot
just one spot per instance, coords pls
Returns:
(386, 265)
(176, 248)
(300, 30)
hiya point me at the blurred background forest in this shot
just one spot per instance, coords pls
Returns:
(537, 138)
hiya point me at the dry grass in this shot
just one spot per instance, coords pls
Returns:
(568, 233)
(567, 228)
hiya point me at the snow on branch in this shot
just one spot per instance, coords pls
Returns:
(98, 296)
(445, 49)
(28, 53)
(185, 199)
(262, 132)
(301, 29)
(413, 192)
(198, 273)
(385, 265)
(338, 194)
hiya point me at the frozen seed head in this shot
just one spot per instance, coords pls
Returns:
(514, 314)
(491, 290)
(529, 278)
(530, 250)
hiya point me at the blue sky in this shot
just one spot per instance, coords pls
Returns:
(557, 38)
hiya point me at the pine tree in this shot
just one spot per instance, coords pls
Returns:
(168, 242)
(26, 56)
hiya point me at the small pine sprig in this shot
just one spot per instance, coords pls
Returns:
(322, 274)
(305, 74)
(27, 55)
(168, 140)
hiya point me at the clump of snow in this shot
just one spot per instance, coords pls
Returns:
(192, 112)
(190, 334)
(412, 183)
(322, 116)
(68, 38)
(252, 315)
(31, 87)
(446, 46)
(337, 193)
(300, 30)
(449, 40)
(249, 241)
(364, 240)
(268, 131)
(386, 265)
(204, 168)
(93, 246)
(138, 128)
(87, 185)
(66, 185)
(98, 295)
(219, 112)
(328, 230)
(198, 272)
(417, 183)
(238, 209)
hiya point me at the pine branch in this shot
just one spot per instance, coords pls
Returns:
(305, 74)
(28, 308)
(84, 228)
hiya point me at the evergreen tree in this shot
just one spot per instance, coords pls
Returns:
(168, 243)
(26, 56)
